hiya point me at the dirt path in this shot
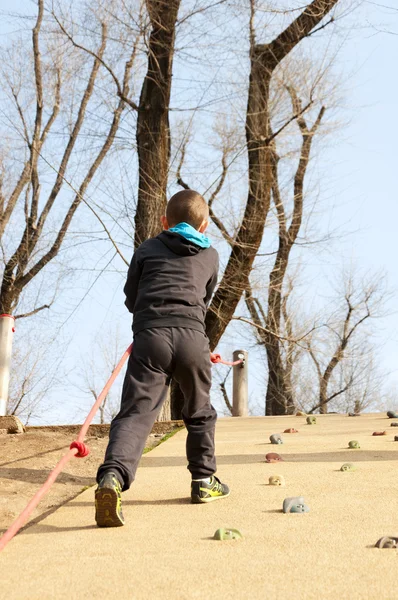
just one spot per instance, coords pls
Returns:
(27, 459)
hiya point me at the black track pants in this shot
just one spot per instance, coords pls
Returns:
(158, 355)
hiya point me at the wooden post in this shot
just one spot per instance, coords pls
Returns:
(6, 335)
(240, 385)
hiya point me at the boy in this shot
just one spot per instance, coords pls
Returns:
(169, 285)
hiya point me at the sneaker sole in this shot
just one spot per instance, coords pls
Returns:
(199, 500)
(106, 515)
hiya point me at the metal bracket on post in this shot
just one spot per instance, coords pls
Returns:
(242, 357)
(240, 392)
(6, 334)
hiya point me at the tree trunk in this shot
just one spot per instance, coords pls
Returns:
(279, 398)
(323, 404)
(153, 129)
(249, 236)
(278, 395)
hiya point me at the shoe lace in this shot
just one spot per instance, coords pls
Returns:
(218, 484)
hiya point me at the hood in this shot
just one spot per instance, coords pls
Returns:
(191, 234)
(178, 243)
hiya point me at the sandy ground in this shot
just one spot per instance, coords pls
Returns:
(27, 459)
(166, 548)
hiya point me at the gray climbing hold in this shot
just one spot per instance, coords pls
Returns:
(295, 505)
(392, 415)
(276, 480)
(387, 542)
(311, 420)
(348, 467)
(354, 414)
(276, 438)
(354, 444)
(225, 534)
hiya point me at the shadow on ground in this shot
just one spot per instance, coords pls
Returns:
(240, 459)
(35, 456)
(39, 476)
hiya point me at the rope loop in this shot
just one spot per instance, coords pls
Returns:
(83, 450)
(215, 358)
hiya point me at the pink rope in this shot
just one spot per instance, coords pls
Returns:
(216, 359)
(78, 448)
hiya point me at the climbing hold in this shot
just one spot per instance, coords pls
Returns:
(354, 444)
(224, 534)
(387, 542)
(291, 430)
(311, 420)
(348, 467)
(276, 480)
(392, 415)
(295, 505)
(395, 438)
(276, 438)
(354, 414)
(300, 413)
(394, 424)
(272, 457)
(379, 433)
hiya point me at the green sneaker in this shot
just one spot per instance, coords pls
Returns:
(207, 492)
(108, 502)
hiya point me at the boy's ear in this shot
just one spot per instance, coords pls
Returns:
(165, 223)
(204, 226)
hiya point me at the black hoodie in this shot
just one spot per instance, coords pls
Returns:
(170, 282)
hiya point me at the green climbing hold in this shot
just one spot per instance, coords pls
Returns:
(354, 444)
(227, 534)
(348, 467)
(311, 420)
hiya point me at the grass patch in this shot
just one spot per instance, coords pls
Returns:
(162, 439)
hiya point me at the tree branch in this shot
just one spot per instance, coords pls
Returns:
(98, 57)
(32, 312)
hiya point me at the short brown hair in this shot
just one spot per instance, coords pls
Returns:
(187, 206)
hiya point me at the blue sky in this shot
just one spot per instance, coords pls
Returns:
(360, 165)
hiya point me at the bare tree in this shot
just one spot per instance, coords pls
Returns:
(37, 246)
(30, 384)
(264, 60)
(361, 302)
(279, 398)
(286, 336)
(98, 368)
